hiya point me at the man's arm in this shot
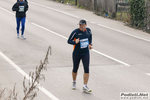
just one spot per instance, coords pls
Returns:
(71, 38)
(26, 7)
(90, 41)
(15, 7)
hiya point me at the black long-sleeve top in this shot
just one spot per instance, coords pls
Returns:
(20, 8)
(85, 37)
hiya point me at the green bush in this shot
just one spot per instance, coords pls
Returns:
(137, 12)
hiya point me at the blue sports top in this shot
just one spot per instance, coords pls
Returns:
(85, 37)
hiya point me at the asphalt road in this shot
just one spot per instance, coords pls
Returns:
(120, 60)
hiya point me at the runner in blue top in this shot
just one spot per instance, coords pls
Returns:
(81, 38)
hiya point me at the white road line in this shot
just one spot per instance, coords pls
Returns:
(123, 32)
(94, 22)
(51, 96)
(7, 11)
(111, 57)
(54, 9)
(147, 74)
(92, 50)
(50, 31)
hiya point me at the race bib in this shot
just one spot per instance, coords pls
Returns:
(84, 43)
(21, 8)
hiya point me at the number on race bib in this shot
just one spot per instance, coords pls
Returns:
(21, 8)
(84, 43)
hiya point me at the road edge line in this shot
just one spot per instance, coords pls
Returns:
(27, 76)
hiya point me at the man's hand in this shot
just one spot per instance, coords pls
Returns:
(90, 46)
(77, 41)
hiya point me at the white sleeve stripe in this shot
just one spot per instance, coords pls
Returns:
(73, 35)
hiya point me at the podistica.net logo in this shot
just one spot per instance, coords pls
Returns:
(134, 96)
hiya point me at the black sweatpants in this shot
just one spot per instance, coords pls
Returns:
(85, 61)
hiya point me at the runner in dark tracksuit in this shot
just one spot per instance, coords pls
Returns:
(81, 50)
(20, 7)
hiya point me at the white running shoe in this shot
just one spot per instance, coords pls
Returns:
(86, 89)
(74, 86)
(17, 35)
(23, 36)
